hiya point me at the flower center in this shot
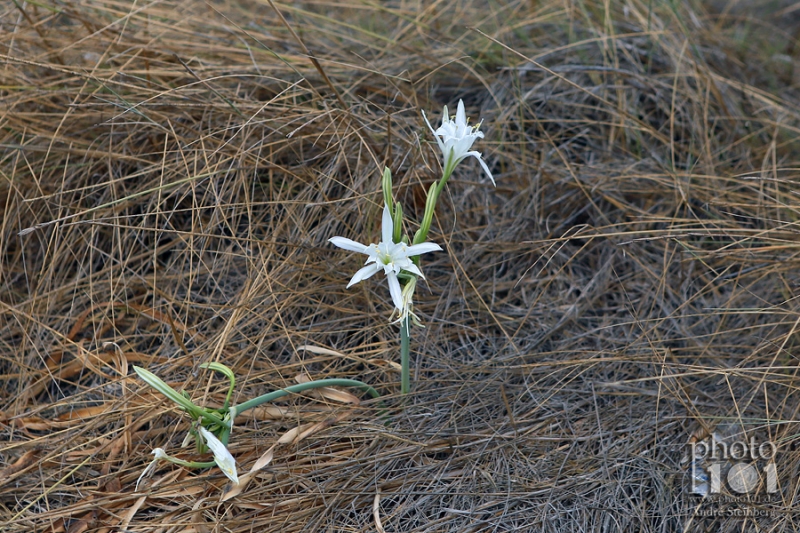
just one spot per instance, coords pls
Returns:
(382, 254)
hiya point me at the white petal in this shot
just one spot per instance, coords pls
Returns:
(448, 129)
(477, 155)
(428, 123)
(387, 225)
(395, 290)
(159, 454)
(400, 263)
(462, 146)
(435, 134)
(442, 147)
(424, 248)
(445, 116)
(372, 251)
(397, 250)
(461, 116)
(222, 456)
(364, 273)
(449, 134)
(349, 245)
(414, 269)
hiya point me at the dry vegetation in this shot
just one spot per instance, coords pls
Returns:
(630, 282)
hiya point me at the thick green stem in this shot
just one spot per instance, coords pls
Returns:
(295, 389)
(405, 366)
(191, 464)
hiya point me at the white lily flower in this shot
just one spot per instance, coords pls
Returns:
(455, 138)
(159, 455)
(222, 456)
(388, 256)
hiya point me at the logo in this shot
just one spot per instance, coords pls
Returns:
(742, 468)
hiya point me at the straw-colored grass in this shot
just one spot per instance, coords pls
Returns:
(170, 172)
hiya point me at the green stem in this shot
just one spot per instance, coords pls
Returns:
(295, 389)
(190, 464)
(405, 370)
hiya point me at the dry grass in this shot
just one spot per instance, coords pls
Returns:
(630, 280)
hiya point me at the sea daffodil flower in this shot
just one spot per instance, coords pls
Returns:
(389, 256)
(222, 456)
(159, 454)
(455, 138)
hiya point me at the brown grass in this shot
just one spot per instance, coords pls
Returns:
(629, 283)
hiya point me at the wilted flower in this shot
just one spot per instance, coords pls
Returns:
(407, 297)
(222, 456)
(455, 138)
(388, 256)
(159, 454)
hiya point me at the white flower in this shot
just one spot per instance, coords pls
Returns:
(159, 454)
(455, 138)
(222, 456)
(388, 256)
(405, 311)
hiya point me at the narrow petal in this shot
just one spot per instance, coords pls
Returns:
(395, 290)
(387, 225)
(423, 248)
(442, 147)
(414, 269)
(477, 155)
(222, 456)
(461, 115)
(445, 116)
(436, 135)
(348, 245)
(364, 273)
(428, 123)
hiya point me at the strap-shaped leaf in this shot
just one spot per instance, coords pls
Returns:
(156, 382)
(222, 369)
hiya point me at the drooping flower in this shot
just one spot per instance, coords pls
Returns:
(455, 138)
(159, 454)
(222, 456)
(389, 256)
(406, 311)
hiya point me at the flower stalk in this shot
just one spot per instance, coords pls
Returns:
(405, 357)
(399, 261)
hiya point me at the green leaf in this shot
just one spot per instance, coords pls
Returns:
(156, 382)
(222, 369)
